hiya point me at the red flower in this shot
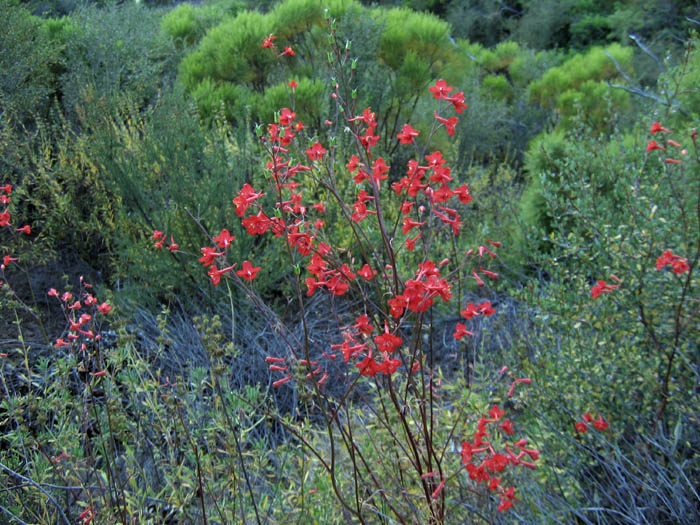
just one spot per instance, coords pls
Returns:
(487, 273)
(366, 272)
(602, 287)
(652, 145)
(507, 426)
(248, 271)
(470, 311)
(245, 198)
(496, 412)
(581, 427)
(678, 263)
(173, 245)
(407, 134)
(440, 90)
(387, 342)
(458, 102)
(267, 42)
(411, 243)
(25, 229)
(224, 239)
(104, 308)
(461, 331)
(316, 151)
(450, 123)
(286, 116)
(6, 260)
(600, 424)
(287, 51)
(362, 324)
(293, 84)
(656, 127)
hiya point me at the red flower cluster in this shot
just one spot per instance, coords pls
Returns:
(496, 462)
(419, 293)
(159, 238)
(602, 287)
(5, 215)
(80, 325)
(668, 258)
(599, 424)
(652, 145)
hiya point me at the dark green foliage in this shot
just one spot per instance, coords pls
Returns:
(115, 51)
(27, 63)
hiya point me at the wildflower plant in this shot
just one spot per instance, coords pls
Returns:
(394, 279)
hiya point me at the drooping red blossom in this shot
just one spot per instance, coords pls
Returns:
(652, 145)
(287, 51)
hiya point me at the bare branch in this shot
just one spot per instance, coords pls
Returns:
(40, 488)
(648, 51)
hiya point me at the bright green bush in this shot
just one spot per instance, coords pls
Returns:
(594, 65)
(309, 101)
(498, 87)
(187, 24)
(232, 52)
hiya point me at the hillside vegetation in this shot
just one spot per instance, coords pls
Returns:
(332, 261)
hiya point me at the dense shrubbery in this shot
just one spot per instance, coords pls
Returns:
(118, 120)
